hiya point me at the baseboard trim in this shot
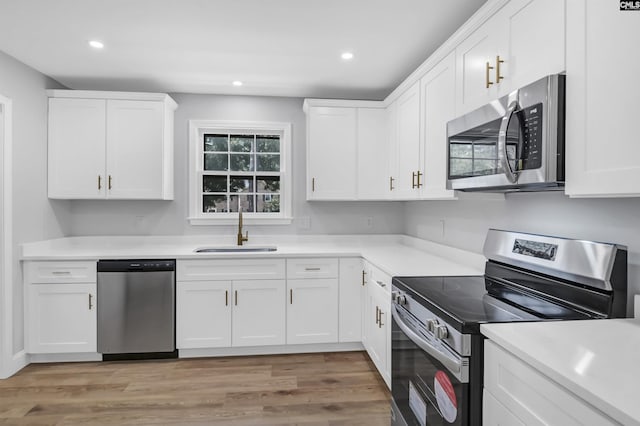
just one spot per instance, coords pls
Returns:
(15, 364)
(70, 357)
(270, 350)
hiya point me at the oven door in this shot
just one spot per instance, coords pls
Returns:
(430, 382)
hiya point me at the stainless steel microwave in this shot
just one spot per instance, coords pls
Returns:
(515, 143)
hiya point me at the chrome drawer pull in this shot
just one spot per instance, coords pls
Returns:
(312, 269)
(61, 273)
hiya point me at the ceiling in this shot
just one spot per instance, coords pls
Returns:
(275, 47)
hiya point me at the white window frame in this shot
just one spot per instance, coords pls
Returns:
(197, 129)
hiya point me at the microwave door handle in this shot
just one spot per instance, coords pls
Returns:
(503, 158)
(453, 365)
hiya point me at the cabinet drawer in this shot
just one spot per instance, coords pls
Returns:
(312, 268)
(531, 396)
(231, 269)
(380, 279)
(60, 272)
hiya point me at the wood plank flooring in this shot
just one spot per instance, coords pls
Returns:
(309, 389)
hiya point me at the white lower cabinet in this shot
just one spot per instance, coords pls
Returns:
(312, 311)
(516, 393)
(377, 324)
(258, 313)
(203, 311)
(216, 314)
(61, 318)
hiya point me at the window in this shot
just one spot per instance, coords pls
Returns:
(240, 165)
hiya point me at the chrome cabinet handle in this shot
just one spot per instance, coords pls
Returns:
(503, 158)
(391, 179)
(380, 283)
(226, 298)
(413, 180)
(99, 182)
(109, 181)
(90, 301)
(380, 324)
(291, 296)
(311, 269)
(363, 279)
(419, 174)
(377, 313)
(61, 273)
(236, 294)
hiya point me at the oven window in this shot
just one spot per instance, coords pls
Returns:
(424, 391)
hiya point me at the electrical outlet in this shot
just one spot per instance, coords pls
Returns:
(368, 222)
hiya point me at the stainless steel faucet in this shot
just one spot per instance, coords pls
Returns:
(241, 239)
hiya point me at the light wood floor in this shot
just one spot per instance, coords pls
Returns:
(310, 389)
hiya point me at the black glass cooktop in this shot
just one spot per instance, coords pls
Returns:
(464, 303)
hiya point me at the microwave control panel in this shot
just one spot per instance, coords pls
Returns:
(530, 119)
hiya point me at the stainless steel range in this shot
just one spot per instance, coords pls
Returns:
(437, 348)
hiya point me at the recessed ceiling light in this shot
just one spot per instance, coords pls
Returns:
(347, 56)
(96, 44)
(237, 83)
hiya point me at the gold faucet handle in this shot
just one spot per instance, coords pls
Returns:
(246, 237)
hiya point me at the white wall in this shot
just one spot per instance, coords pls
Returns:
(111, 217)
(34, 216)
(615, 220)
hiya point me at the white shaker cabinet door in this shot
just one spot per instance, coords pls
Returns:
(312, 311)
(203, 314)
(438, 107)
(602, 149)
(76, 148)
(373, 158)
(529, 58)
(331, 156)
(61, 318)
(476, 67)
(408, 144)
(135, 156)
(259, 312)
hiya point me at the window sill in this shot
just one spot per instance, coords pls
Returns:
(198, 221)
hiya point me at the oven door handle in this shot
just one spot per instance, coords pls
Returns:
(459, 369)
(503, 158)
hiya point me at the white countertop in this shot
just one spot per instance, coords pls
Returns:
(396, 255)
(598, 360)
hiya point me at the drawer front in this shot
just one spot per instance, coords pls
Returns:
(60, 272)
(533, 397)
(232, 269)
(312, 268)
(380, 279)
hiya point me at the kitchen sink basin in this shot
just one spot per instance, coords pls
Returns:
(235, 249)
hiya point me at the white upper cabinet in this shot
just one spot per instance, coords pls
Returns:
(408, 176)
(438, 107)
(523, 42)
(528, 58)
(331, 153)
(373, 159)
(77, 136)
(134, 132)
(110, 145)
(602, 150)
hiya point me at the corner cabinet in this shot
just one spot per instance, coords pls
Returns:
(110, 145)
(60, 307)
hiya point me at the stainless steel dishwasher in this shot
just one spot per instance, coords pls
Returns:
(136, 309)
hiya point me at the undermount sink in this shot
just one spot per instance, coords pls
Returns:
(235, 249)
